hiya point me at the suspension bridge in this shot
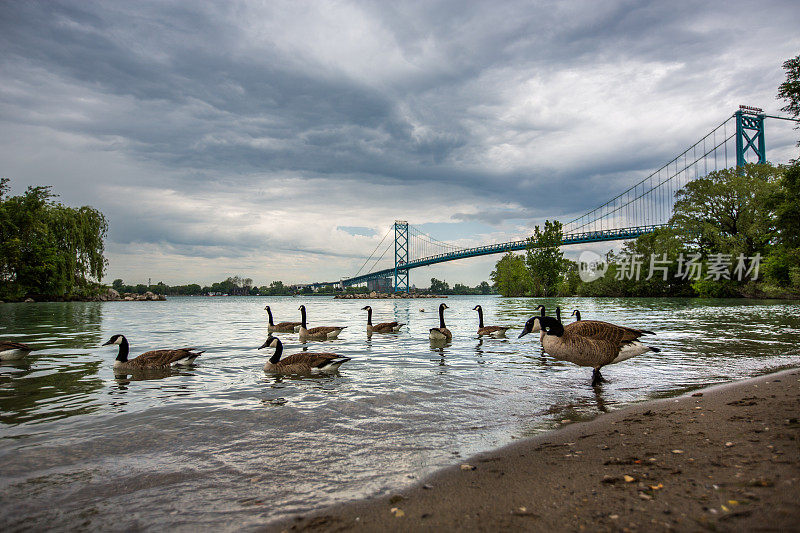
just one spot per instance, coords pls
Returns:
(640, 209)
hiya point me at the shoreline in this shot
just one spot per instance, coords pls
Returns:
(726, 457)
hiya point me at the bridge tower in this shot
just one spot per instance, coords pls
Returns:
(400, 255)
(750, 119)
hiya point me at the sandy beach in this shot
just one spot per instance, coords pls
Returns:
(726, 458)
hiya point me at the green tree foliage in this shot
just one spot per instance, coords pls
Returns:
(789, 90)
(46, 248)
(544, 259)
(728, 211)
(439, 287)
(510, 276)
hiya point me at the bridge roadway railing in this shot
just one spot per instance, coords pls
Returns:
(503, 247)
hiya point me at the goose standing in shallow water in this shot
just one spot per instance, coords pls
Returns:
(300, 363)
(10, 350)
(281, 327)
(441, 333)
(153, 359)
(383, 327)
(589, 342)
(318, 333)
(494, 331)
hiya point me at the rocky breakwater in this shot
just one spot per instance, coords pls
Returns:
(384, 295)
(112, 295)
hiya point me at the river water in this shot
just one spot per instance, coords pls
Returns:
(223, 445)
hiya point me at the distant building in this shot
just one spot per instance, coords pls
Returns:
(380, 285)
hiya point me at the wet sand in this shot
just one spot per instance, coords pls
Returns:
(726, 458)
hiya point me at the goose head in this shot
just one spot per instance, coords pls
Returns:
(266, 308)
(533, 325)
(476, 307)
(442, 307)
(115, 339)
(366, 308)
(540, 307)
(271, 342)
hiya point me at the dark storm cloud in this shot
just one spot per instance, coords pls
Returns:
(505, 105)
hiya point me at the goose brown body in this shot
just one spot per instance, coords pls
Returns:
(383, 327)
(300, 363)
(591, 343)
(494, 331)
(280, 327)
(441, 333)
(152, 359)
(13, 350)
(317, 333)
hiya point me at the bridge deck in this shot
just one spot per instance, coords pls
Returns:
(503, 247)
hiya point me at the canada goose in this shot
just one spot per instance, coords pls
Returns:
(533, 325)
(10, 350)
(318, 333)
(383, 327)
(281, 327)
(153, 359)
(589, 342)
(300, 363)
(441, 333)
(494, 331)
(577, 315)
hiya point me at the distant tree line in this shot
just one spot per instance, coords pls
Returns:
(231, 286)
(49, 250)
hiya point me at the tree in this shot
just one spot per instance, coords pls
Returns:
(47, 248)
(728, 211)
(510, 276)
(544, 258)
(439, 287)
(790, 89)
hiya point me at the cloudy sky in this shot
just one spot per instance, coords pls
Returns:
(281, 139)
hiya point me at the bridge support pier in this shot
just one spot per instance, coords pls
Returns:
(400, 256)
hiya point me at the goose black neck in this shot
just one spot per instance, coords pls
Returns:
(369, 316)
(558, 313)
(122, 356)
(278, 351)
(480, 317)
(542, 308)
(552, 326)
(441, 317)
(577, 315)
(269, 312)
(303, 316)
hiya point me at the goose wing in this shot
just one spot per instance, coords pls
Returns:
(599, 330)
(157, 358)
(287, 324)
(491, 329)
(324, 329)
(312, 359)
(11, 345)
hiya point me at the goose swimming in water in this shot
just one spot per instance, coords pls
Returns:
(10, 350)
(152, 359)
(441, 333)
(494, 331)
(589, 342)
(281, 327)
(300, 363)
(318, 333)
(383, 327)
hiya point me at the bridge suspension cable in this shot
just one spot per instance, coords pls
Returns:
(650, 201)
(373, 252)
